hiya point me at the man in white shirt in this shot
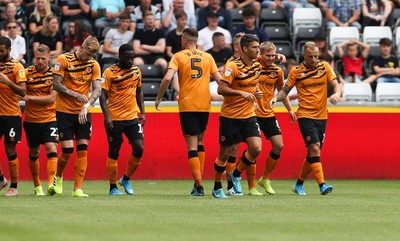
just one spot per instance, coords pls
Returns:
(205, 35)
(115, 38)
(18, 44)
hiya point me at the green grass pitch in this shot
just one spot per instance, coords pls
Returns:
(163, 210)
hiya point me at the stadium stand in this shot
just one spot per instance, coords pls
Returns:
(387, 92)
(306, 17)
(272, 17)
(340, 34)
(372, 34)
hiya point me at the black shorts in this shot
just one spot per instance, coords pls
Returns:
(69, 127)
(150, 58)
(269, 126)
(313, 131)
(132, 129)
(11, 128)
(233, 131)
(193, 123)
(41, 133)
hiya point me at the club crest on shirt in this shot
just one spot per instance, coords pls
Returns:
(49, 82)
(88, 69)
(228, 72)
(21, 73)
(57, 66)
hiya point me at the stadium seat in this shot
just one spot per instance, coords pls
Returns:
(340, 34)
(273, 17)
(306, 17)
(372, 34)
(150, 90)
(357, 92)
(285, 48)
(278, 32)
(387, 92)
(303, 35)
(237, 18)
(151, 72)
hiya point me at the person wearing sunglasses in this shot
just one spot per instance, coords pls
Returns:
(18, 44)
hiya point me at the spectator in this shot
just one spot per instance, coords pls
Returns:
(168, 17)
(11, 12)
(352, 60)
(50, 36)
(322, 44)
(224, 20)
(342, 13)
(242, 4)
(205, 35)
(377, 13)
(200, 3)
(188, 6)
(18, 44)
(106, 13)
(249, 25)
(131, 4)
(386, 66)
(115, 38)
(219, 51)
(289, 5)
(76, 36)
(137, 15)
(149, 43)
(75, 9)
(42, 9)
(173, 40)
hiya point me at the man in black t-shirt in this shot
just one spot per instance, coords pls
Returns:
(149, 43)
(219, 52)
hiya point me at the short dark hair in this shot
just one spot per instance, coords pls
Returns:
(190, 34)
(385, 42)
(216, 35)
(5, 41)
(248, 12)
(180, 14)
(124, 15)
(247, 39)
(124, 48)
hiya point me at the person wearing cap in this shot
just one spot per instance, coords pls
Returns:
(225, 17)
(205, 35)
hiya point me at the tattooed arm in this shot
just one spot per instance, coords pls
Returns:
(60, 88)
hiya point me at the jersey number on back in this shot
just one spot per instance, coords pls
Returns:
(196, 68)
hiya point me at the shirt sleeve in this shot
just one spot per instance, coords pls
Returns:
(60, 65)
(229, 72)
(106, 79)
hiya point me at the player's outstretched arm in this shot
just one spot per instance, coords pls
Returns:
(165, 82)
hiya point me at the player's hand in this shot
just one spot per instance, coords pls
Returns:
(281, 57)
(157, 103)
(82, 118)
(3, 78)
(108, 123)
(82, 98)
(293, 117)
(259, 94)
(248, 96)
(272, 102)
(334, 99)
(142, 119)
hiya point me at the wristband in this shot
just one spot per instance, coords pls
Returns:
(87, 105)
